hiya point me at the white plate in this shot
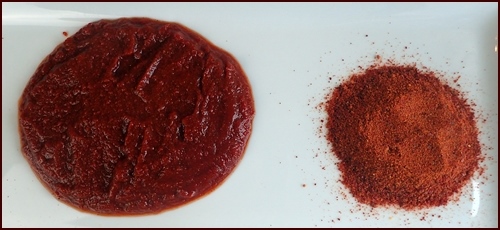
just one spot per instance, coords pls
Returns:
(288, 50)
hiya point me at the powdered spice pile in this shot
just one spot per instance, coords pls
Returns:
(402, 136)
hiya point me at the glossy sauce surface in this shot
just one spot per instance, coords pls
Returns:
(135, 116)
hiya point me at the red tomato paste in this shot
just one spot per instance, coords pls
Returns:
(135, 116)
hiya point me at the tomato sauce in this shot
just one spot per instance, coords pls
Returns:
(135, 116)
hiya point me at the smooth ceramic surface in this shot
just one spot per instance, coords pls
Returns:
(289, 51)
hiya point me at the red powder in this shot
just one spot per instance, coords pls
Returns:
(402, 136)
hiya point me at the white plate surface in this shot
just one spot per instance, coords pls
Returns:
(289, 51)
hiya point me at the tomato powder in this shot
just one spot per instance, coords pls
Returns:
(402, 136)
